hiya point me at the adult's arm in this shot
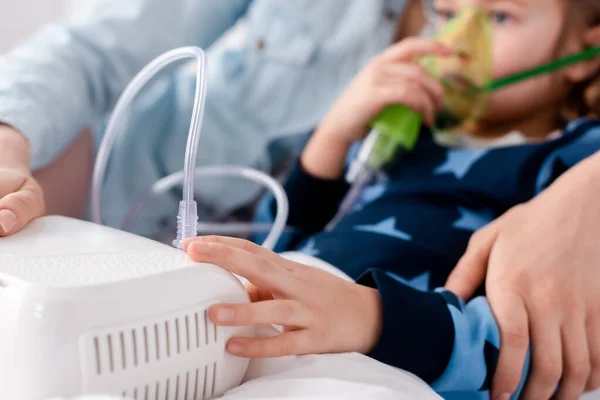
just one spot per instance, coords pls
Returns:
(72, 73)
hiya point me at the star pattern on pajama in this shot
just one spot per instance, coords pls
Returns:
(310, 248)
(459, 162)
(420, 282)
(473, 220)
(370, 195)
(386, 228)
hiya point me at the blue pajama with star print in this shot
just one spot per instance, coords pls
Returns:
(408, 233)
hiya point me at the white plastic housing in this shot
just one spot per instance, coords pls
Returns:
(86, 309)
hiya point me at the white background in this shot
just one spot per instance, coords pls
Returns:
(20, 18)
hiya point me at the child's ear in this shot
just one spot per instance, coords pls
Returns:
(582, 71)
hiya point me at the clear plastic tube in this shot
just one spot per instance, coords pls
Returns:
(187, 218)
(361, 171)
(275, 187)
(362, 178)
(140, 80)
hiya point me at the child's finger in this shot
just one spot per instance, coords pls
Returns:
(412, 48)
(248, 246)
(257, 294)
(400, 72)
(287, 313)
(412, 96)
(240, 244)
(259, 271)
(286, 344)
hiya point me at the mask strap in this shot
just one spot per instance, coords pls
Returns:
(550, 67)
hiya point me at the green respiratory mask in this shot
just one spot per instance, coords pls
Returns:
(397, 127)
(470, 35)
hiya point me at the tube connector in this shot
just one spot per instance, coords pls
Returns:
(363, 162)
(187, 222)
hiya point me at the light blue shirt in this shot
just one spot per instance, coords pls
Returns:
(296, 58)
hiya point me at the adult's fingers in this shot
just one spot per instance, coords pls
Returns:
(469, 274)
(576, 358)
(290, 343)
(17, 209)
(546, 358)
(593, 337)
(287, 313)
(413, 48)
(511, 315)
(258, 270)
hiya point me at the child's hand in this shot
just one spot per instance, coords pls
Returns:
(21, 200)
(321, 313)
(392, 78)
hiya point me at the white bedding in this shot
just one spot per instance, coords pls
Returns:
(339, 376)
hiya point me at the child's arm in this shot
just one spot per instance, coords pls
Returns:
(451, 345)
(391, 78)
(433, 335)
(316, 186)
(21, 198)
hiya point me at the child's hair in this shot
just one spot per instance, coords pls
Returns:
(583, 99)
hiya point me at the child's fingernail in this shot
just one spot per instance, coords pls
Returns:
(8, 221)
(503, 396)
(199, 247)
(188, 242)
(224, 314)
(235, 348)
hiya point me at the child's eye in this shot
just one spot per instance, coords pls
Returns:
(444, 15)
(500, 17)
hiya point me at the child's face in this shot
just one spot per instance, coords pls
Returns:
(526, 34)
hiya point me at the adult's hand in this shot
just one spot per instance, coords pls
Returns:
(542, 261)
(21, 197)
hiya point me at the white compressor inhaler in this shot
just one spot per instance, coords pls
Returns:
(87, 309)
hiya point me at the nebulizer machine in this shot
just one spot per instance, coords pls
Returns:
(87, 309)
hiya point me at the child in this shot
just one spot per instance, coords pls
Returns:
(407, 234)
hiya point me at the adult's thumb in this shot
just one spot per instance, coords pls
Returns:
(19, 208)
(469, 274)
